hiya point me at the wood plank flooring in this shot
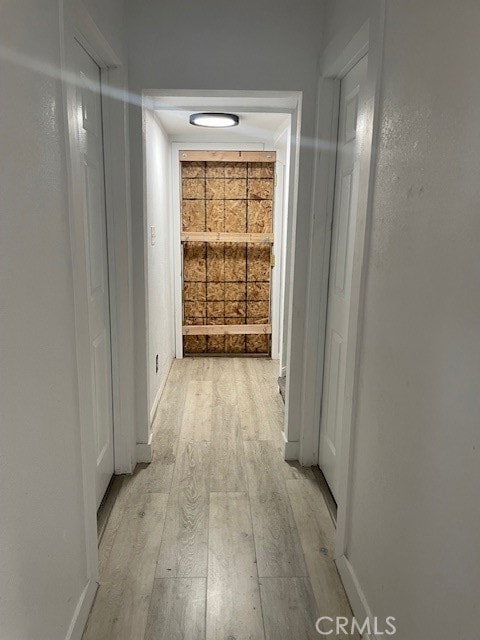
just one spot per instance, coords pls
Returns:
(218, 538)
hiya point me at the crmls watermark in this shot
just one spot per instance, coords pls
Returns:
(326, 626)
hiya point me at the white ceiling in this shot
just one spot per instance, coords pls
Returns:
(253, 127)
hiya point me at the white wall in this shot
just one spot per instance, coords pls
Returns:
(343, 18)
(109, 16)
(42, 541)
(414, 541)
(218, 45)
(161, 338)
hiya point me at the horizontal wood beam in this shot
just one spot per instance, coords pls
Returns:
(219, 236)
(227, 156)
(225, 329)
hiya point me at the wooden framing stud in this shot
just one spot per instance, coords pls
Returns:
(227, 156)
(226, 329)
(219, 236)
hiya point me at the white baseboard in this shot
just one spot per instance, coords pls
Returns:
(292, 449)
(355, 594)
(144, 450)
(161, 387)
(82, 611)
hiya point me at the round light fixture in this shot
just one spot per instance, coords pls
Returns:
(215, 120)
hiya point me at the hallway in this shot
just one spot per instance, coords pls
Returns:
(218, 537)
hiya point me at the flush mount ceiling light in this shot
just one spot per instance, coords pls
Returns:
(216, 120)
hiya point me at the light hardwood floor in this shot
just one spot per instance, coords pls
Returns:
(218, 538)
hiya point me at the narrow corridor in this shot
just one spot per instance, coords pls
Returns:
(218, 538)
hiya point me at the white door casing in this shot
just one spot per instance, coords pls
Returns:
(340, 278)
(276, 289)
(91, 150)
(77, 26)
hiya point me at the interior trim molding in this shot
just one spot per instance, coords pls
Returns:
(82, 611)
(291, 448)
(158, 395)
(356, 596)
(144, 450)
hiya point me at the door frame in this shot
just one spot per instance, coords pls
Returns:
(335, 63)
(290, 103)
(331, 467)
(77, 26)
(283, 150)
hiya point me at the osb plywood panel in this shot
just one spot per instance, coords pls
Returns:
(227, 283)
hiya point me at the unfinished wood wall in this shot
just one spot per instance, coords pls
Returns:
(227, 283)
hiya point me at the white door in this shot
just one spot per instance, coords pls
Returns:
(89, 114)
(341, 261)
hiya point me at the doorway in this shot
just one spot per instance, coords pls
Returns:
(341, 271)
(91, 158)
(227, 251)
(268, 124)
(96, 140)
